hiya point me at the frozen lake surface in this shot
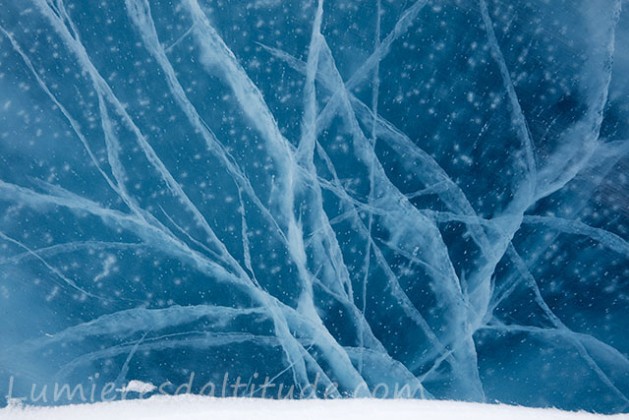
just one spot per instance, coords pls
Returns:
(375, 198)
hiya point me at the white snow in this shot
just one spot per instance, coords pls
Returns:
(191, 407)
(139, 387)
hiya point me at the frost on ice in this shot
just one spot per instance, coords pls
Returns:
(350, 196)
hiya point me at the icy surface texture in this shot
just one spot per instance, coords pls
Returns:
(430, 194)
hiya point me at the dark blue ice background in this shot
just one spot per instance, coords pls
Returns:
(421, 193)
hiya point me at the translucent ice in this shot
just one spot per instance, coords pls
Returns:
(357, 198)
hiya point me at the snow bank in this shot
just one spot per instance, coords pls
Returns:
(194, 407)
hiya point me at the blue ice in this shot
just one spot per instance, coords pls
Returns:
(350, 197)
